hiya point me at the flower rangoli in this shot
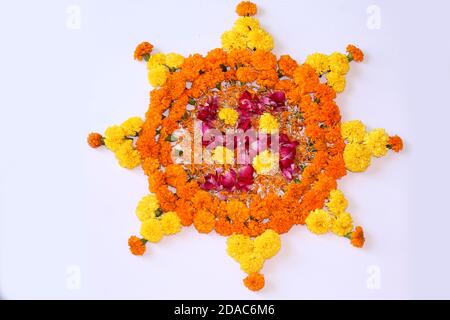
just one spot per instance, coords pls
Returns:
(245, 144)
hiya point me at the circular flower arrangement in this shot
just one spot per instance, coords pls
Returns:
(245, 144)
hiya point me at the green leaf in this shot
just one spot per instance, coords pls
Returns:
(171, 138)
(158, 212)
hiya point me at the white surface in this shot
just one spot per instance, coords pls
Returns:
(65, 207)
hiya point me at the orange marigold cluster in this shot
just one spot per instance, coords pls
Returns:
(355, 53)
(137, 246)
(95, 139)
(143, 51)
(254, 281)
(246, 8)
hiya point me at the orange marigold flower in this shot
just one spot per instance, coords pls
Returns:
(254, 281)
(246, 8)
(263, 60)
(185, 212)
(306, 77)
(142, 51)
(239, 57)
(95, 140)
(137, 246)
(204, 221)
(355, 53)
(395, 143)
(224, 227)
(287, 65)
(246, 74)
(357, 239)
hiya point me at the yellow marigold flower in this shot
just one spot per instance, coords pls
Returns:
(156, 60)
(151, 230)
(239, 245)
(338, 63)
(353, 131)
(268, 123)
(319, 221)
(336, 81)
(343, 224)
(114, 137)
(258, 39)
(147, 207)
(319, 62)
(357, 157)
(267, 244)
(337, 202)
(157, 75)
(128, 156)
(251, 262)
(223, 155)
(233, 40)
(174, 60)
(244, 25)
(377, 141)
(132, 126)
(229, 116)
(265, 162)
(170, 223)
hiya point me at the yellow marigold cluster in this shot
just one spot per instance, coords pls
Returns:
(127, 156)
(353, 131)
(338, 63)
(132, 126)
(159, 65)
(151, 230)
(119, 140)
(170, 223)
(335, 66)
(319, 221)
(319, 62)
(362, 145)
(266, 162)
(377, 141)
(342, 224)
(336, 81)
(267, 244)
(229, 116)
(337, 203)
(155, 228)
(247, 33)
(357, 157)
(223, 155)
(251, 254)
(147, 207)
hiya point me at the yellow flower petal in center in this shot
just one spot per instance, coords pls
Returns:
(266, 162)
(229, 116)
(268, 123)
(223, 155)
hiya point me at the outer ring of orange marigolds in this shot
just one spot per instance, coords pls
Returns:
(302, 87)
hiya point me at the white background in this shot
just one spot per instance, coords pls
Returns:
(68, 210)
